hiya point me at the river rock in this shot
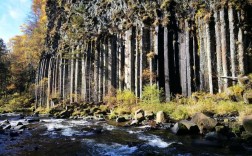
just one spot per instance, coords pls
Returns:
(19, 127)
(134, 122)
(4, 123)
(247, 96)
(7, 127)
(204, 122)
(19, 123)
(65, 114)
(214, 136)
(32, 119)
(185, 127)
(160, 117)
(120, 119)
(139, 115)
(247, 123)
(149, 115)
(36, 114)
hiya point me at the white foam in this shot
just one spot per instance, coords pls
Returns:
(155, 141)
(115, 149)
(134, 132)
(69, 132)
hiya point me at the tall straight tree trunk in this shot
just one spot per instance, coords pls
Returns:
(60, 76)
(232, 41)
(209, 58)
(240, 47)
(183, 59)
(72, 76)
(155, 60)
(120, 71)
(141, 68)
(55, 79)
(109, 65)
(105, 64)
(100, 91)
(137, 65)
(218, 49)
(83, 74)
(202, 54)
(64, 76)
(113, 61)
(41, 83)
(96, 72)
(76, 75)
(49, 83)
(37, 85)
(188, 60)
(166, 66)
(128, 47)
(224, 46)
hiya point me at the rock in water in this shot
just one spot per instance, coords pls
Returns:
(120, 119)
(247, 123)
(139, 115)
(185, 127)
(7, 127)
(204, 122)
(32, 119)
(160, 117)
(149, 115)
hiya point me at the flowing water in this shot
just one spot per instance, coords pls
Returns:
(62, 137)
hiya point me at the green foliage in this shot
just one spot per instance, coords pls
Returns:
(151, 94)
(16, 103)
(126, 97)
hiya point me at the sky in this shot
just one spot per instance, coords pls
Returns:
(13, 13)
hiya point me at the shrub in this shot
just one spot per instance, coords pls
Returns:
(151, 94)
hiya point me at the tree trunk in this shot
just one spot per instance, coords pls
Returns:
(166, 66)
(76, 76)
(72, 76)
(218, 49)
(137, 64)
(209, 58)
(96, 72)
(224, 46)
(83, 74)
(49, 83)
(101, 61)
(240, 47)
(128, 47)
(232, 41)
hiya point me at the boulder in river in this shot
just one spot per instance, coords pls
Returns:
(139, 115)
(204, 122)
(19, 123)
(149, 115)
(7, 127)
(19, 127)
(160, 117)
(185, 127)
(32, 119)
(134, 122)
(247, 123)
(120, 119)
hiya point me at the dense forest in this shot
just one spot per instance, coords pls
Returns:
(19, 61)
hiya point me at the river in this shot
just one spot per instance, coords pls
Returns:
(63, 137)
